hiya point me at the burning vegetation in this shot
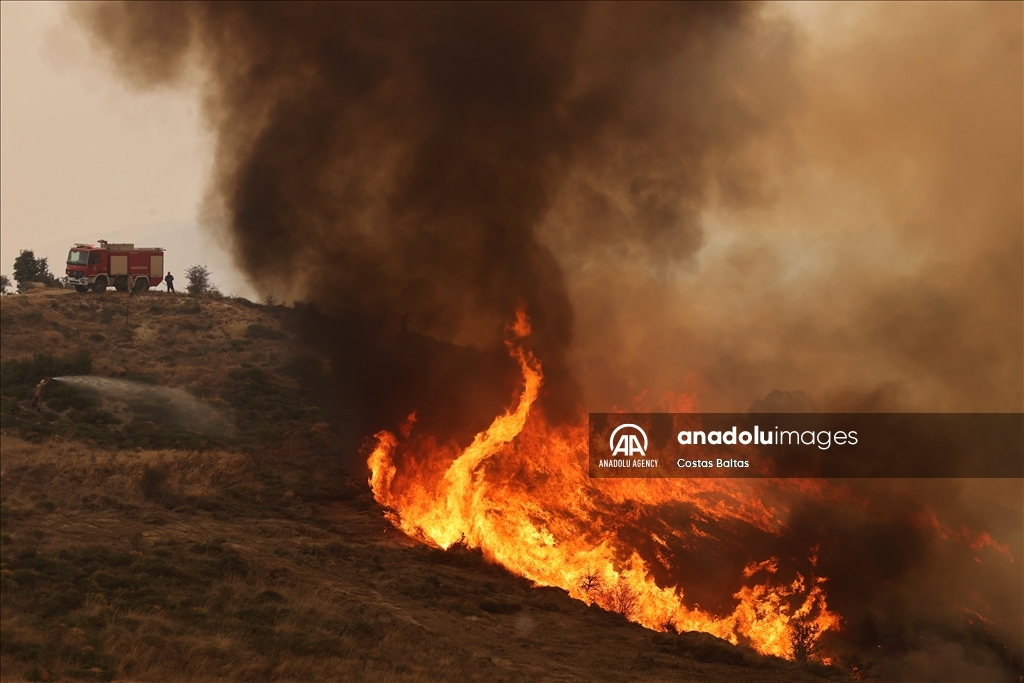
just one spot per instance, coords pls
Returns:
(420, 175)
(520, 493)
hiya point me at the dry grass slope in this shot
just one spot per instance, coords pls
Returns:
(231, 354)
(134, 548)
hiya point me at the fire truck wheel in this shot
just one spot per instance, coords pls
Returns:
(142, 284)
(100, 285)
(81, 289)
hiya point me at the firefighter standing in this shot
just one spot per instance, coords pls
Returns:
(169, 279)
(39, 394)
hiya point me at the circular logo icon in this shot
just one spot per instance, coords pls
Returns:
(625, 440)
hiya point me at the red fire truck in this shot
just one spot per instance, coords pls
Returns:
(120, 266)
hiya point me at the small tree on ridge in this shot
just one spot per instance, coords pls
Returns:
(198, 280)
(27, 268)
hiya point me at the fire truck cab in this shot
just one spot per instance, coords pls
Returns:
(120, 266)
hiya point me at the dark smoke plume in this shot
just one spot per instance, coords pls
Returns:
(391, 164)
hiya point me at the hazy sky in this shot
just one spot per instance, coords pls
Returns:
(81, 157)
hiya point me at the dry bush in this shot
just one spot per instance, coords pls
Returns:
(805, 640)
(590, 583)
(622, 598)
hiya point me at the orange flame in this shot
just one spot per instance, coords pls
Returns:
(521, 494)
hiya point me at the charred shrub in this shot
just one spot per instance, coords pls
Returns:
(258, 331)
(805, 640)
(462, 556)
(420, 589)
(701, 647)
(227, 565)
(271, 596)
(499, 606)
(364, 629)
(59, 397)
(109, 314)
(95, 416)
(152, 482)
(154, 486)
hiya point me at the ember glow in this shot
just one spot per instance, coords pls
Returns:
(520, 493)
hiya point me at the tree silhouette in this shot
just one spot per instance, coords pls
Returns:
(27, 268)
(198, 280)
(805, 640)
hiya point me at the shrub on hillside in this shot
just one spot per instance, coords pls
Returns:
(258, 331)
(29, 269)
(19, 375)
(198, 280)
